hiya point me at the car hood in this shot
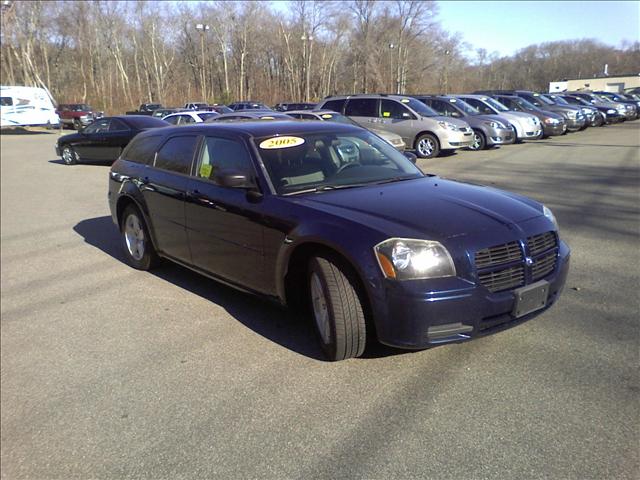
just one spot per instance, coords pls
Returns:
(455, 121)
(428, 207)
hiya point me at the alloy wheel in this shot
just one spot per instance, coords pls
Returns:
(134, 237)
(320, 308)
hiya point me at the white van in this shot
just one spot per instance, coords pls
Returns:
(25, 106)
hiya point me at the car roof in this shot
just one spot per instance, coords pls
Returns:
(254, 114)
(261, 128)
(317, 112)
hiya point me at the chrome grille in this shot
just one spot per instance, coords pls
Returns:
(497, 255)
(543, 266)
(503, 279)
(541, 243)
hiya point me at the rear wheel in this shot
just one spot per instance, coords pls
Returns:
(427, 146)
(77, 125)
(479, 141)
(136, 241)
(69, 155)
(336, 309)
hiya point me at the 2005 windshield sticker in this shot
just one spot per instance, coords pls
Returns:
(281, 142)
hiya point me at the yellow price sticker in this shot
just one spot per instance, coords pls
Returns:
(281, 142)
(205, 170)
(405, 100)
(327, 115)
(386, 114)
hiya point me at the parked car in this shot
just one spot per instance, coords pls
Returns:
(220, 109)
(250, 115)
(104, 139)
(285, 107)
(609, 114)
(77, 115)
(163, 112)
(248, 106)
(595, 118)
(605, 102)
(190, 116)
(552, 123)
(573, 116)
(146, 109)
(196, 106)
(526, 125)
(488, 130)
(420, 127)
(588, 112)
(330, 116)
(27, 106)
(330, 216)
(631, 106)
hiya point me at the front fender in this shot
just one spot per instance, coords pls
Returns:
(356, 249)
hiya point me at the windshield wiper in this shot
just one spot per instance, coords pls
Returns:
(395, 179)
(326, 188)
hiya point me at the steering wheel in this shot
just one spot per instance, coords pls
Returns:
(347, 165)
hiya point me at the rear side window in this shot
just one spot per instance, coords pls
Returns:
(335, 105)
(6, 101)
(142, 149)
(176, 154)
(223, 154)
(362, 107)
(117, 126)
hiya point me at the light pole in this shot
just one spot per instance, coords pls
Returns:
(391, 47)
(307, 62)
(446, 71)
(202, 28)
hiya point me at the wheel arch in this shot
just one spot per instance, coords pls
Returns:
(122, 203)
(424, 132)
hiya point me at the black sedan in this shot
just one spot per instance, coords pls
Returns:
(104, 139)
(331, 218)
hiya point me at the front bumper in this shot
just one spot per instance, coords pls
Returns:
(452, 140)
(500, 136)
(533, 132)
(576, 123)
(423, 314)
(554, 129)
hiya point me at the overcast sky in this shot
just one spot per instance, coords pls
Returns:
(506, 26)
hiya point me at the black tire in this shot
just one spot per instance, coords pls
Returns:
(140, 253)
(479, 141)
(69, 155)
(427, 146)
(342, 330)
(77, 125)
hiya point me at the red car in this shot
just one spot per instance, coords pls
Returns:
(77, 115)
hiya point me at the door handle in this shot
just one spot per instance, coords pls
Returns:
(196, 196)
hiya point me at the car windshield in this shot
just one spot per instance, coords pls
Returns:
(464, 106)
(543, 99)
(322, 161)
(495, 104)
(337, 118)
(419, 107)
(527, 105)
(559, 100)
(205, 116)
(140, 121)
(82, 107)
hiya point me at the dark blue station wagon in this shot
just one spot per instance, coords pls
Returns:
(332, 219)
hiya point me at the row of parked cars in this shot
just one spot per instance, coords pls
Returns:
(328, 214)
(429, 125)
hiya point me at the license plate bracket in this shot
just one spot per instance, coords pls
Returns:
(530, 298)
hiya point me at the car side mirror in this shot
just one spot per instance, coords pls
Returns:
(411, 157)
(233, 179)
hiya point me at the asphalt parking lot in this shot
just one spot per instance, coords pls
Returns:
(108, 372)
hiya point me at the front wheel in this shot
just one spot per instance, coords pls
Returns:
(336, 309)
(479, 141)
(69, 155)
(427, 146)
(136, 241)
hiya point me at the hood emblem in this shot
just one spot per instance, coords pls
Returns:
(528, 261)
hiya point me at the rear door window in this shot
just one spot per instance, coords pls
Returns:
(335, 105)
(394, 110)
(362, 107)
(142, 149)
(176, 154)
(6, 101)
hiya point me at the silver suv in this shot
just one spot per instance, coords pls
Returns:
(419, 126)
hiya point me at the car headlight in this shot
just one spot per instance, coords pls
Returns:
(448, 126)
(495, 124)
(412, 259)
(621, 109)
(611, 111)
(549, 214)
(551, 121)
